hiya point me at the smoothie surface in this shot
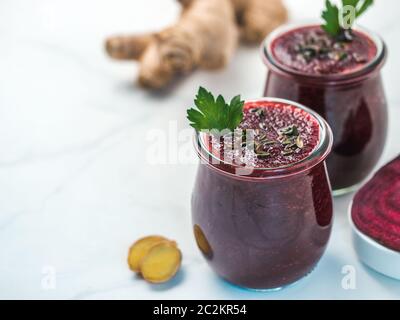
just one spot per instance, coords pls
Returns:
(310, 50)
(278, 135)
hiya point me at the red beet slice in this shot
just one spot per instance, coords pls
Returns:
(376, 207)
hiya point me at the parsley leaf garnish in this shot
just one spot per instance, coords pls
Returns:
(361, 8)
(214, 113)
(331, 15)
(331, 18)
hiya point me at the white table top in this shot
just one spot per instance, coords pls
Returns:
(76, 187)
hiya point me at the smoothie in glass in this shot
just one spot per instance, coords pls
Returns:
(262, 214)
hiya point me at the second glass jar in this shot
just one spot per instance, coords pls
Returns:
(353, 104)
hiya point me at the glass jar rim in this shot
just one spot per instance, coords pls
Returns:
(364, 71)
(319, 154)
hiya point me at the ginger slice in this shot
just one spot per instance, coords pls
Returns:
(140, 249)
(161, 263)
(202, 241)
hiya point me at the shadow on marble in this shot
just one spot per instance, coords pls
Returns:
(327, 274)
(390, 284)
(132, 87)
(175, 281)
(127, 87)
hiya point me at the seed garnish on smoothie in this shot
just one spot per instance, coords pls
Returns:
(268, 135)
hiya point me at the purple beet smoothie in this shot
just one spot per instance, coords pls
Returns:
(266, 231)
(342, 82)
(312, 51)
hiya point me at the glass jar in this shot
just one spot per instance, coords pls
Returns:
(354, 105)
(263, 228)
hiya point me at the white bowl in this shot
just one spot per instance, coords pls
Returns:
(373, 254)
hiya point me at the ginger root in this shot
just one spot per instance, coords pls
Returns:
(257, 18)
(141, 248)
(161, 263)
(205, 37)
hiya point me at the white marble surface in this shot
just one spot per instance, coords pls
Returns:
(75, 186)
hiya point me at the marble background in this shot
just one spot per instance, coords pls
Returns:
(76, 187)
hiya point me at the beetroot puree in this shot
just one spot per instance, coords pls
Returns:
(311, 50)
(376, 207)
(266, 230)
(283, 135)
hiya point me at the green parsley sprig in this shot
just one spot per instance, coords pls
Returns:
(215, 114)
(333, 21)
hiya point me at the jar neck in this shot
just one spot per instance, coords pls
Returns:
(367, 71)
(318, 155)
